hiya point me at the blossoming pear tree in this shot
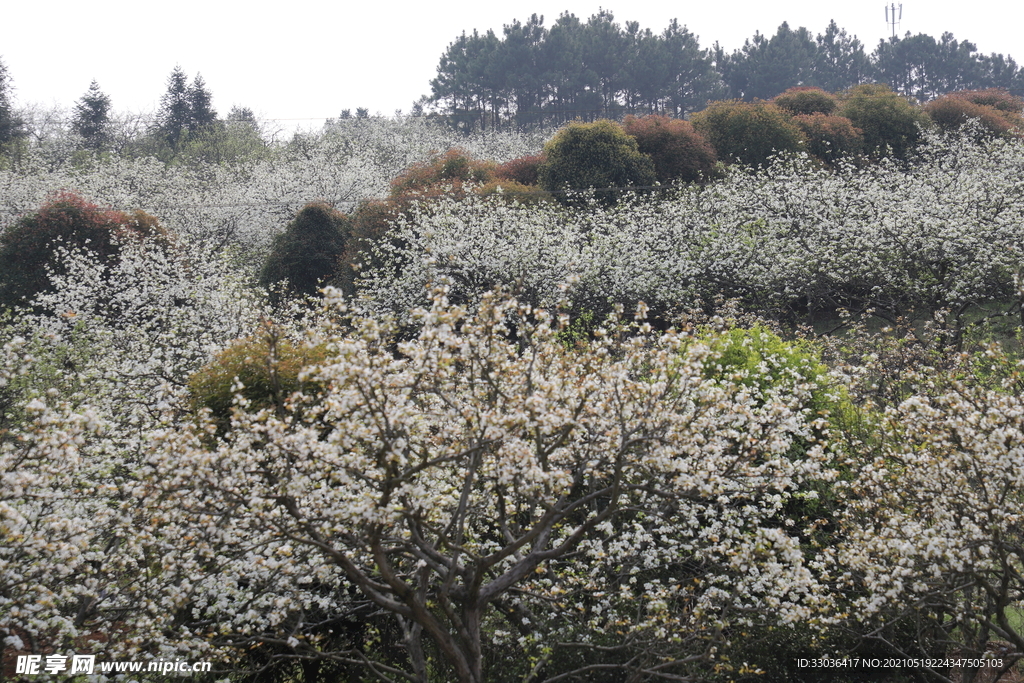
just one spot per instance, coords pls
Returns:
(932, 538)
(481, 489)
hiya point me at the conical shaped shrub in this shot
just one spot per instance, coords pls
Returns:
(307, 252)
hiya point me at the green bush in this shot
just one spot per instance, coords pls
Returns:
(805, 100)
(267, 366)
(596, 155)
(679, 152)
(26, 249)
(307, 252)
(760, 359)
(750, 132)
(513, 191)
(890, 123)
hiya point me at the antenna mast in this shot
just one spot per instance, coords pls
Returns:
(893, 15)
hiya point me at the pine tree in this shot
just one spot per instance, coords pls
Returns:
(92, 117)
(175, 109)
(201, 111)
(841, 61)
(766, 67)
(241, 115)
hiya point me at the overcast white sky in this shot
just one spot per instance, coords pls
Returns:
(309, 60)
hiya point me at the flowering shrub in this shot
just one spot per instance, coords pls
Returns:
(26, 249)
(244, 205)
(932, 535)
(489, 488)
(464, 481)
(57, 514)
(938, 241)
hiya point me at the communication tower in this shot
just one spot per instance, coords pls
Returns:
(893, 15)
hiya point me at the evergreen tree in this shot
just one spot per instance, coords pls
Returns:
(841, 61)
(10, 125)
(693, 79)
(998, 71)
(200, 102)
(307, 252)
(766, 67)
(92, 117)
(566, 75)
(185, 109)
(175, 108)
(604, 55)
(518, 64)
(924, 68)
(241, 115)
(585, 70)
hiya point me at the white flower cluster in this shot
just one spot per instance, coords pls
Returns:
(928, 240)
(471, 474)
(245, 204)
(477, 486)
(934, 522)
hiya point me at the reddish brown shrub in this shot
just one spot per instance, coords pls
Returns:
(26, 249)
(997, 98)
(522, 170)
(829, 138)
(513, 191)
(443, 174)
(679, 152)
(998, 112)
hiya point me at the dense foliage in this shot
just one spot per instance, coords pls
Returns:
(996, 111)
(10, 123)
(306, 254)
(600, 68)
(889, 123)
(27, 248)
(678, 151)
(748, 132)
(691, 435)
(594, 156)
(92, 118)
